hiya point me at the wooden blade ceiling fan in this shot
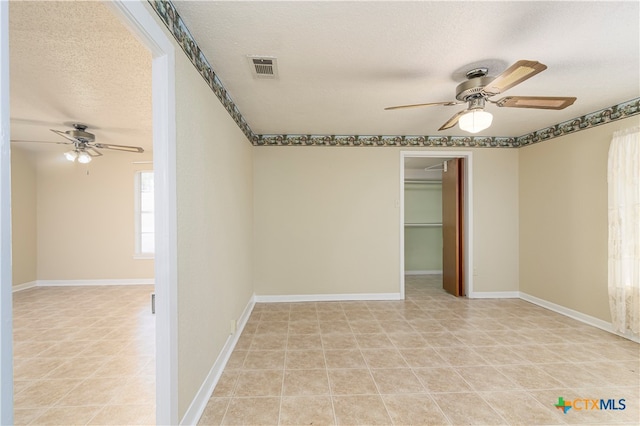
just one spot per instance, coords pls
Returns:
(479, 88)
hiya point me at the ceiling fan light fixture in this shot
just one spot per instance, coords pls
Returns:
(84, 157)
(71, 155)
(475, 121)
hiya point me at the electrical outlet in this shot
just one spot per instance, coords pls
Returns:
(233, 326)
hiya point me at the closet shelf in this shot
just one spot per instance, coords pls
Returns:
(422, 225)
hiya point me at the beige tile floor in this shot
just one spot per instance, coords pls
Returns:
(431, 359)
(84, 355)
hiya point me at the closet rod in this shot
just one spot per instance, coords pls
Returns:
(423, 181)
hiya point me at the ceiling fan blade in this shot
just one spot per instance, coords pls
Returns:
(119, 147)
(92, 151)
(515, 74)
(64, 135)
(453, 120)
(540, 102)
(58, 143)
(423, 105)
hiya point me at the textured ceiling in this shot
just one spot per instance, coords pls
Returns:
(341, 63)
(423, 168)
(74, 62)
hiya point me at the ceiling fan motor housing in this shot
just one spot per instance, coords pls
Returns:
(80, 134)
(472, 88)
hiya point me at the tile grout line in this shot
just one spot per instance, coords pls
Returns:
(384, 404)
(469, 345)
(237, 379)
(284, 365)
(440, 409)
(494, 409)
(233, 394)
(326, 365)
(426, 391)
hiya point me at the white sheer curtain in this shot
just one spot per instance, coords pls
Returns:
(624, 230)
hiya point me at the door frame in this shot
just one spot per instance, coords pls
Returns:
(6, 314)
(136, 16)
(468, 210)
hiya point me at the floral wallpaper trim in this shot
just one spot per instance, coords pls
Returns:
(607, 115)
(167, 12)
(379, 140)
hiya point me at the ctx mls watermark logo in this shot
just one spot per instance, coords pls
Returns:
(581, 404)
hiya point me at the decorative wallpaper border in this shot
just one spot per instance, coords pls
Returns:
(593, 119)
(607, 115)
(169, 15)
(176, 26)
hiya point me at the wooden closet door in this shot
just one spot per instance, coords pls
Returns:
(452, 229)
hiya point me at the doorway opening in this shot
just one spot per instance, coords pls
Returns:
(423, 169)
(137, 18)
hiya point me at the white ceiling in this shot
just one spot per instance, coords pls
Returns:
(423, 168)
(74, 62)
(340, 63)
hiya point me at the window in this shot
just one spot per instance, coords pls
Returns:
(144, 211)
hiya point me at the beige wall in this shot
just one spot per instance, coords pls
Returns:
(214, 225)
(215, 230)
(563, 219)
(495, 215)
(327, 220)
(23, 217)
(85, 219)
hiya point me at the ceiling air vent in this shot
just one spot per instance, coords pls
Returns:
(264, 67)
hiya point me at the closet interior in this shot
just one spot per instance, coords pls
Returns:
(423, 216)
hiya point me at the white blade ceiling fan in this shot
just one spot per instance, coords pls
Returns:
(84, 145)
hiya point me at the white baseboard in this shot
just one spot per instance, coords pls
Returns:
(199, 402)
(24, 286)
(428, 272)
(326, 297)
(74, 283)
(494, 295)
(579, 316)
(70, 283)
